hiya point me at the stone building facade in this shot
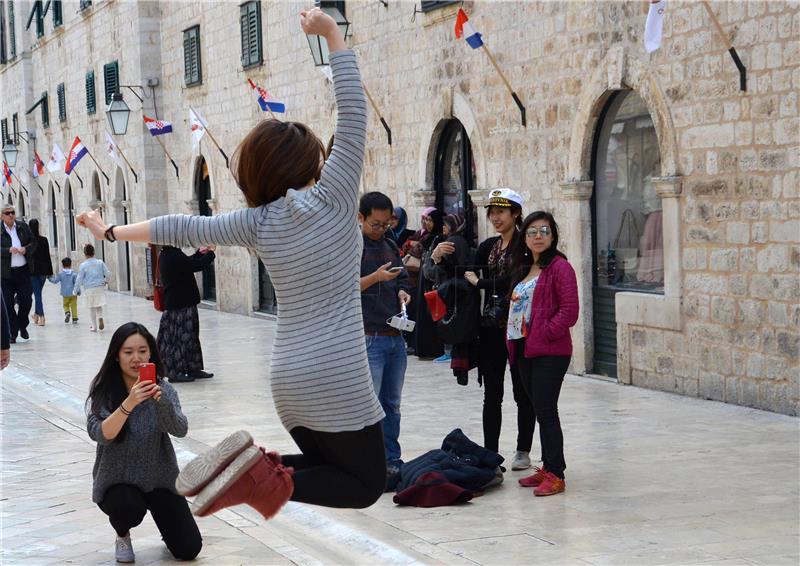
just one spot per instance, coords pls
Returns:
(675, 191)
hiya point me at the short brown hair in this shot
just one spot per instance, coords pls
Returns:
(275, 157)
(88, 250)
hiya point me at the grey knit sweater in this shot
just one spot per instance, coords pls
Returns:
(145, 457)
(310, 243)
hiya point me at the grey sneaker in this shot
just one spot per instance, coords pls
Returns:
(521, 461)
(123, 550)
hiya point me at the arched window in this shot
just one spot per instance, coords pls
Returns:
(22, 212)
(71, 215)
(203, 192)
(53, 218)
(454, 176)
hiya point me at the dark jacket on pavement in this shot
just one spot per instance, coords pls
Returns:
(25, 238)
(176, 271)
(380, 302)
(42, 265)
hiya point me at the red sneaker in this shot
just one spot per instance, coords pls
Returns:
(551, 484)
(254, 478)
(201, 470)
(535, 479)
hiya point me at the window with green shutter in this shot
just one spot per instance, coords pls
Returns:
(111, 79)
(3, 53)
(84, 4)
(429, 5)
(192, 70)
(4, 130)
(91, 96)
(250, 23)
(38, 13)
(58, 13)
(45, 110)
(12, 32)
(62, 103)
(15, 126)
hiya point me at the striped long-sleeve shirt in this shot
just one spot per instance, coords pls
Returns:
(319, 373)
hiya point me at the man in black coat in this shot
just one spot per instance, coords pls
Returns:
(17, 246)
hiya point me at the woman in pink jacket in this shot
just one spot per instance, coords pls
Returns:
(544, 305)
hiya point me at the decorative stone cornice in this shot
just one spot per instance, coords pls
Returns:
(479, 197)
(577, 190)
(424, 198)
(668, 187)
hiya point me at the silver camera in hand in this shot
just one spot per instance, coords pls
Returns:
(401, 322)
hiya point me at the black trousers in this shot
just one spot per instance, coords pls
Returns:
(492, 365)
(346, 470)
(126, 506)
(542, 378)
(18, 294)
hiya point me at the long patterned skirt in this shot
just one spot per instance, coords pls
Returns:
(179, 341)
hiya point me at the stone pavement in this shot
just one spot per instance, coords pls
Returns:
(653, 478)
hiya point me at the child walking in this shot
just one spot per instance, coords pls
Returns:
(92, 277)
(69, 291)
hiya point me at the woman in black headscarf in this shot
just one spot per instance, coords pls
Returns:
(427, 342)
(398, 231)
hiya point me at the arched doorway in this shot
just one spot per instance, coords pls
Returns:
(23, 214)
(97, 203)
(627, 241)
(53, 217)
(267, 301)
(121, 213)
(69, 216)
(203, 194)
(454, 176)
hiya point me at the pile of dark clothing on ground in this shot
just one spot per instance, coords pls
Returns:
(453, 474)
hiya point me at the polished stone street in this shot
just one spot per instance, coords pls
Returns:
(652, 478)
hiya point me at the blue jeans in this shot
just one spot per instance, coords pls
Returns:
(37, 282)
(387, 364)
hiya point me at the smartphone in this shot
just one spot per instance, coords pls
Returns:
(147, 372)
(395, 269)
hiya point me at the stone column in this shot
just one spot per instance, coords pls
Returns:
(670, 189)
(480, 198)
(576, 234)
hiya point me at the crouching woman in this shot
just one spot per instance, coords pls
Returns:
(135, 467)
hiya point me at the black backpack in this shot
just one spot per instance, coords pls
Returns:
(461, 323)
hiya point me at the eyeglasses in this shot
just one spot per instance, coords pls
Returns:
(379, 225)
(533, 232)
(9, 213)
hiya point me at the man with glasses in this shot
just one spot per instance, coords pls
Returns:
(18, 244)
(384, 290)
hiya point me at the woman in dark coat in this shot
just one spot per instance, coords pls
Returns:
(399, 231)
(179, 331)
(428, 344)
(42, 269)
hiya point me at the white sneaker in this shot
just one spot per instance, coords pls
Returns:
(521, 461)
(123, 549)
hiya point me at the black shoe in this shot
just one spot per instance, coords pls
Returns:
(181, 378)
(462, 379)
(13, 341)
(23, 333)
(200, 374)
(66, 316)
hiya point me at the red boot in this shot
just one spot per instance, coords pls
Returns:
(255, 478)
(535, 479)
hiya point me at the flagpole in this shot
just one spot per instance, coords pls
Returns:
(18, 181)
(89, 153)
(79, 177)
(50, 174)
(508, 85)
(128, 163)
(213, 139)
(168, 156)
(731, 49)
(378, 112)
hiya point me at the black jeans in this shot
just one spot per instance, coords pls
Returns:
(346, 470)
(492, 361)
(126, 506)
(542, 378)
(17, 290)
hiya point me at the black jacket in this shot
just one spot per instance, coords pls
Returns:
(25, 238)
(41, 258)
(379, 302)
(176, 271)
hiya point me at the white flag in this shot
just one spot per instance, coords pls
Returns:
(57, 159)
(198, 127)
(654, 26)
(111, 148)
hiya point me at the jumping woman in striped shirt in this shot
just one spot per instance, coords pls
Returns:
(320, 379)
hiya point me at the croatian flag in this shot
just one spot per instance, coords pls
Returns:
(157, 127)
(6, 175)
(463, 27)
(266, 100)
(76, 153)
(38, 165)
(654, 26)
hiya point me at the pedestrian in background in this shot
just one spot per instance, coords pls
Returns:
(179, 330)
(399, 231)
(67, 279)
(544, 306)
(427, 344)
(17, 246)
(135, 466)
(42, 269)
(91, 283)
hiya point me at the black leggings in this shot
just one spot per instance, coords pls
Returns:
(493, 359)
(126, 506)
(542, 378)
(346, 470)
